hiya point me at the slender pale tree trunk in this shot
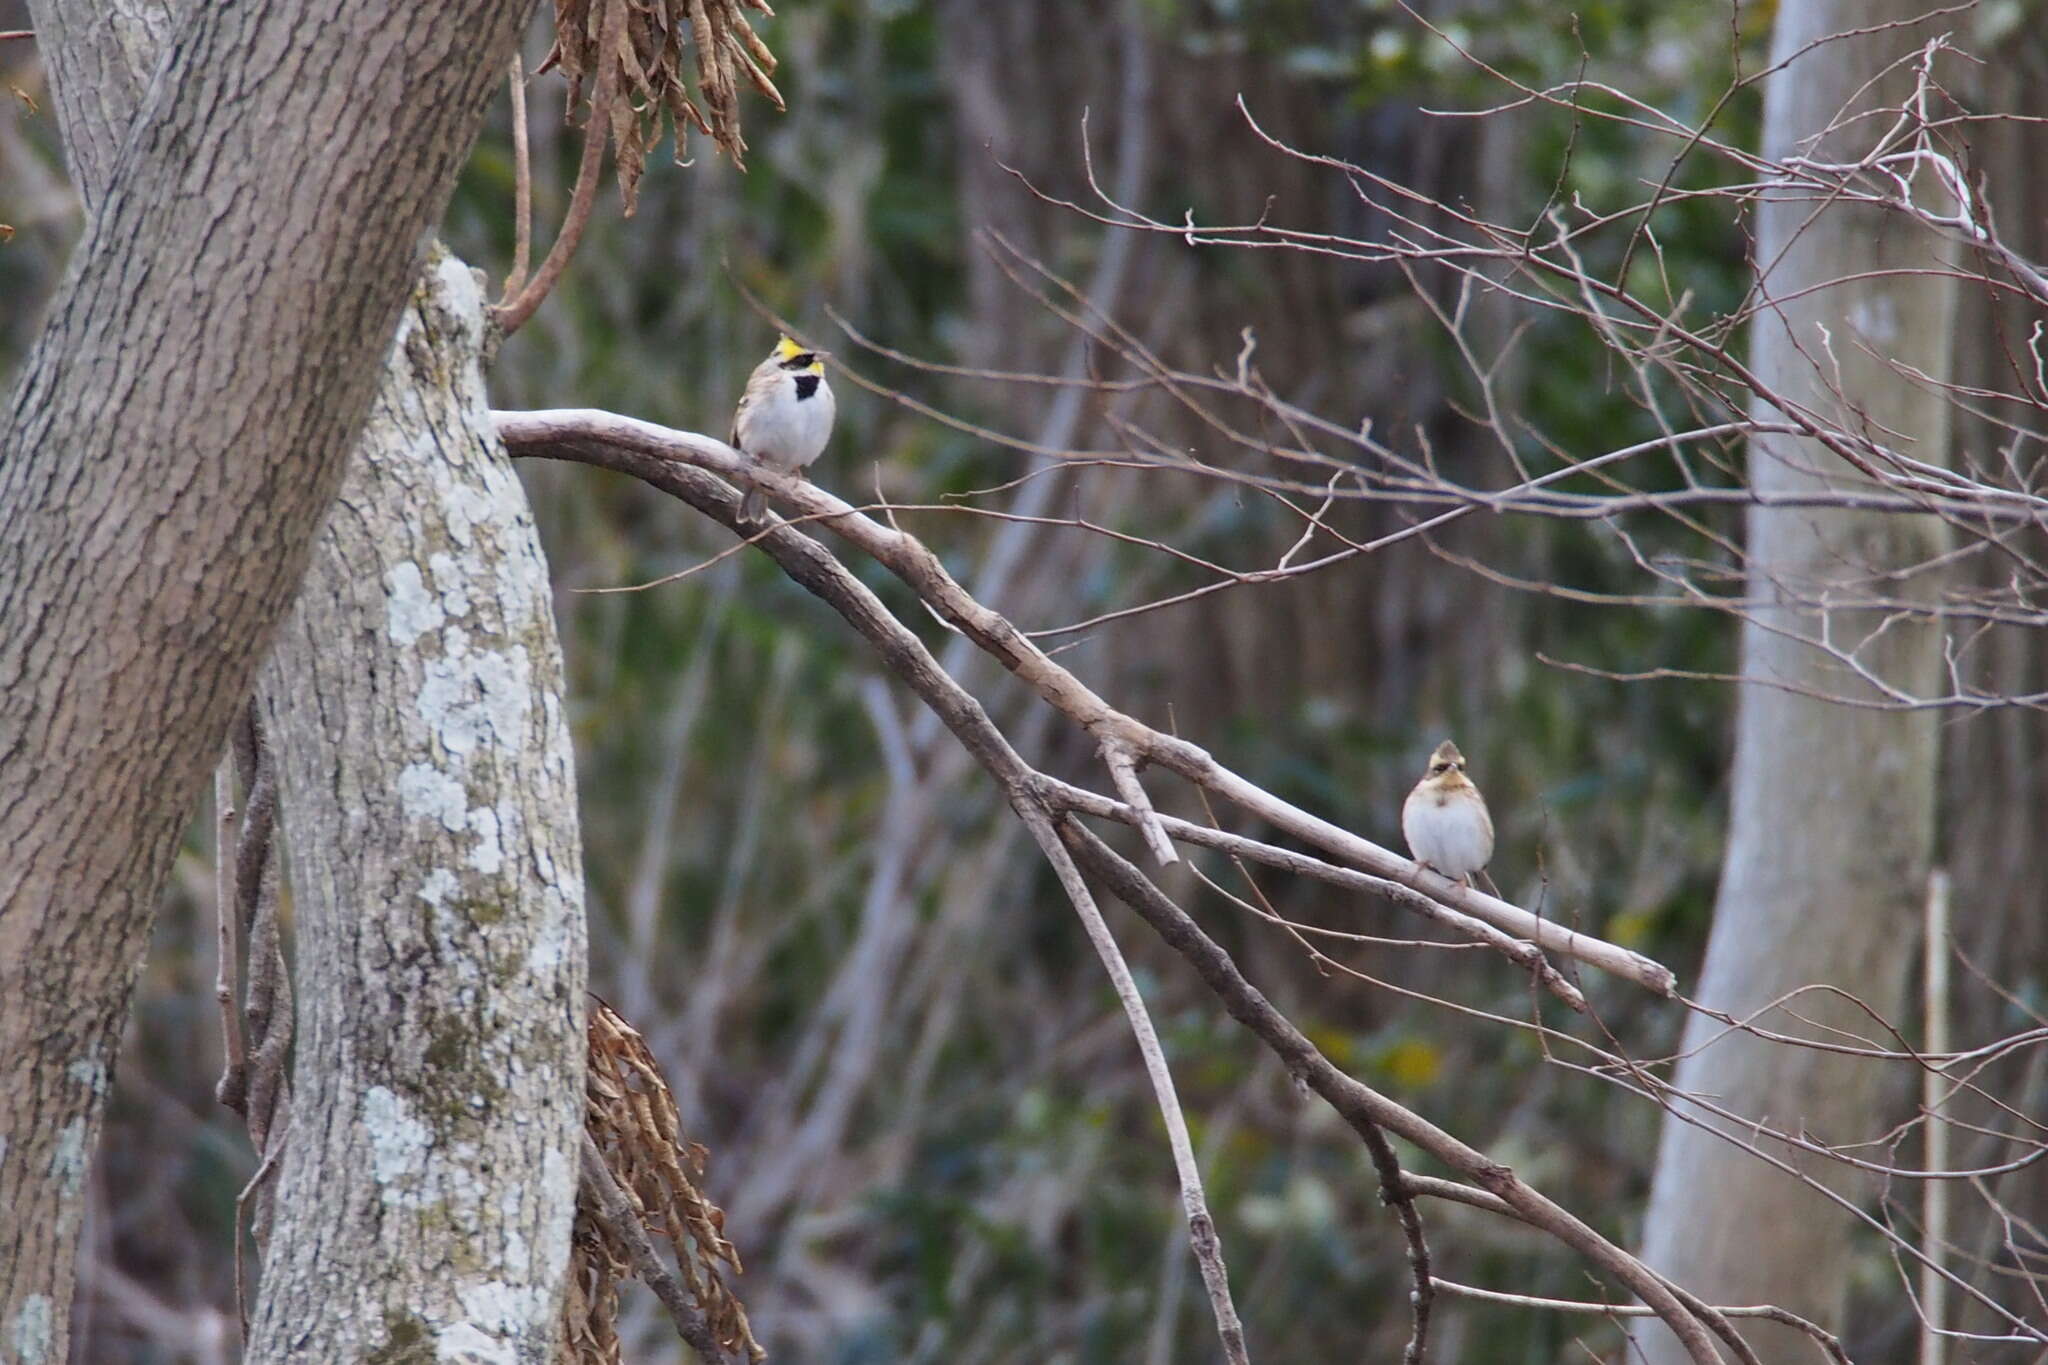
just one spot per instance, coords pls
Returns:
(428, 793)
(174, 440)
(1995, 784)
(1833, 806)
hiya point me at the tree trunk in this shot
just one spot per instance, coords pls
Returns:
(100, 57)
(1994, 784)
(1832, 818)
(175, 438)
(428, 793)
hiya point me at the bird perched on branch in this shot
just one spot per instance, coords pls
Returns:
(784, 417)
(1445, 819)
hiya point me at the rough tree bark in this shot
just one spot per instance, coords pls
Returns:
(175, 437)
(100, 57)
(1832, 819)
(414, 703)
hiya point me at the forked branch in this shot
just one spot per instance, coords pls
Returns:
(651, 452)
(678, 463)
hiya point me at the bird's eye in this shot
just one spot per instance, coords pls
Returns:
(801, 361)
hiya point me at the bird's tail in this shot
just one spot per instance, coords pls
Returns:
(754, 507)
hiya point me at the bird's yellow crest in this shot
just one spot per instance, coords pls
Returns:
(796, 358)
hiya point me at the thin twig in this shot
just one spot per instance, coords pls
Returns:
(522, 181)
(234, 1079)
(271, 1156)
(640, 448)
(596, 129)
(611, 1205)
(1201, 1226)
(1829, 1344)
(1123, 773)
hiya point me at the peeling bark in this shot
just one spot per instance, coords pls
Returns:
(414, 702)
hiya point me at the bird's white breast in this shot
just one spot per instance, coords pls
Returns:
(785, 431)
(1452, 835)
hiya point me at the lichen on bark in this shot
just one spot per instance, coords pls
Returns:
(426, 1200)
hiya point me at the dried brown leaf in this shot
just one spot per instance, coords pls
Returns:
(652, 84)
(631, 1115)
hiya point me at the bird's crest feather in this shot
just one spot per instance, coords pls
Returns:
(795, 358)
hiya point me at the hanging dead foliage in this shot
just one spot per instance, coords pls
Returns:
(650, 80)
(644, 1186)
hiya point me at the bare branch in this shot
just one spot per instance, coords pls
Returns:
(522, 181)
(1366, 1110)
(512, 314)
(650, 451)
(1123, 772)
(816, 570)
(1201, 1227)
(1830, 1346)
(613, 1208)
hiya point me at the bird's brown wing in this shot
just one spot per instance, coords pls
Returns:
(737, 413)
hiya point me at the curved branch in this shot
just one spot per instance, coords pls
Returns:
(512, 314)
(670, 460)
(1367, 1111)
(1521, 952)
(645, 449)
(1201, 1227)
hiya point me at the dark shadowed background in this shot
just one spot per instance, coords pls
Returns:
(928, 1125)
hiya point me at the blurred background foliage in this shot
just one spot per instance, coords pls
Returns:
(928, 1124)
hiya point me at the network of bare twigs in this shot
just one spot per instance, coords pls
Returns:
(1271, 447)
(676, 462)
(1655, 501)
(1684, 369)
